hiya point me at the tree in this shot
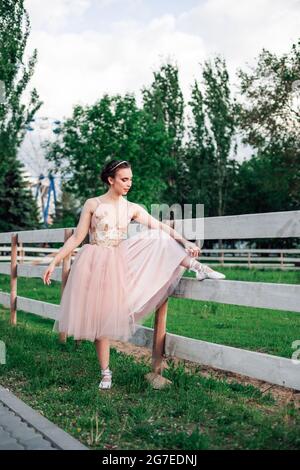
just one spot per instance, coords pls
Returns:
(221, 124)
(269, 117)
(113, 127)
(18, 209)
(164, 102)
(211, 141)
(200, 157)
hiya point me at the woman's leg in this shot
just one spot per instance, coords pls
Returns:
(103, 350)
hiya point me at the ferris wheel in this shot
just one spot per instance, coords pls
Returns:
(38, 171)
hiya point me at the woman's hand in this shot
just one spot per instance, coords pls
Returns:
(192, 249)
(47, 274)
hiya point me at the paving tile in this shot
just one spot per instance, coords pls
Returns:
(22, 428)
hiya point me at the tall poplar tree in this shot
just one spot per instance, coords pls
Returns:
(17, 206)
(163, 100)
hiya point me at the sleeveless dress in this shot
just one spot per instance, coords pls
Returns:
(116, 281)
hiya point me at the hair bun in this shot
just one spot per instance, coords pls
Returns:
(111, 168)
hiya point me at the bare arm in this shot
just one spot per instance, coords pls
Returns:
(143, 217)
(79, 233)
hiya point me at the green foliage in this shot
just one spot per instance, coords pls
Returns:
(163, 100)
(269, 118)
(17, 207)
(15, 75)
(66, 214)
(18, 210)
(111, 128)
(211, 139)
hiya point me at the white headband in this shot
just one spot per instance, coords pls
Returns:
(124, 161)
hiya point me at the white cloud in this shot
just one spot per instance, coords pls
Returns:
(80, 66)
(239, 30)
(55, 14)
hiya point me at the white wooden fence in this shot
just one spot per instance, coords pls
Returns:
(247, 257)
(273, 369)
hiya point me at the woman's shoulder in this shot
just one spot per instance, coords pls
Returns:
(132, 206)
(92, 200)
(136, 209)
(137, 206)
(91, 204)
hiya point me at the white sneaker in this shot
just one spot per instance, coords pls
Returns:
(207, 273)
(106, 379)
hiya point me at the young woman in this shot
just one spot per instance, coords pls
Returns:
(116, 281)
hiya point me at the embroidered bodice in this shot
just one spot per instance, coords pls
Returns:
(104, 228)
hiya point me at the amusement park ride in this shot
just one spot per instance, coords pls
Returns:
(37, 169)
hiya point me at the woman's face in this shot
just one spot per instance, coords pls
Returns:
(122, 181)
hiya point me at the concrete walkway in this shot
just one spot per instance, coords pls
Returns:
(22, 428)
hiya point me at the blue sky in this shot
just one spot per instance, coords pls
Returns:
(90, 47)
(142, 11)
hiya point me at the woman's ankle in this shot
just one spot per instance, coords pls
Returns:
(194, 265)
(197, 266)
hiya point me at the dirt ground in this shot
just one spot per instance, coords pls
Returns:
(282, 395)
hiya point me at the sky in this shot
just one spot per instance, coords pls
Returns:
(90, 47)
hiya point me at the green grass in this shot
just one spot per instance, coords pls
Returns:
(195, 412)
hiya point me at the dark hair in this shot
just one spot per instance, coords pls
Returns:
(111, 168)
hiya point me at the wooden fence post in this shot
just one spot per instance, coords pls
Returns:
(64, 274)
(13, 278)
(21, 253)
(86, 240)
(158, 348)
(249, 259)
(159, 336)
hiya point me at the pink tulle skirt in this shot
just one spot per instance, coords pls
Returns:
(110, 291)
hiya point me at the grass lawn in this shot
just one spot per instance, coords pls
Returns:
(195, 412)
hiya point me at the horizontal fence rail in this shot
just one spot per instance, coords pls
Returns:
(246, 226)
(248, 294)
(276, 370)
(285, 258)
(231, 227)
